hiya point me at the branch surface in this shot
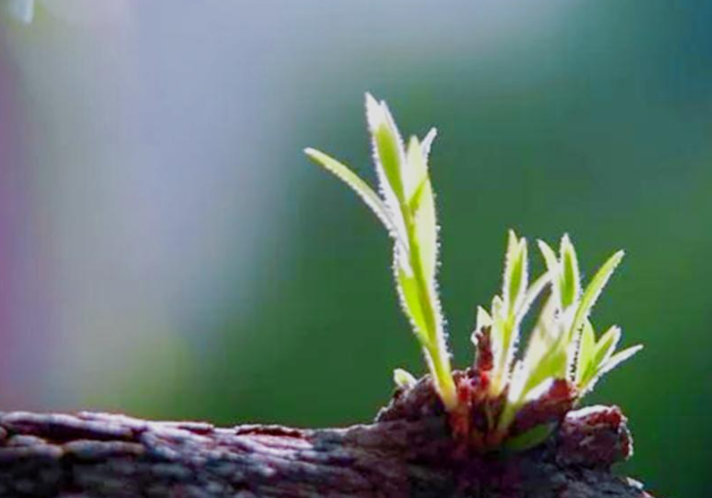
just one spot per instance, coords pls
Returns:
(406, 452)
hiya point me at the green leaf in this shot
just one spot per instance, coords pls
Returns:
(531, 438)
(606, 345)
(416, 199)
(483, 318)
(554, 269)
(415, 171)
(534, 291)
(570, 278)
(545, 333)
(586, 353)
(410, 300)
(407, 191)
(515, 272)
(619, 358)
(593, 291)
(497, 307)
(363, 190)
(607, 366)
(428, 142)
(552, 364)
(505, 329)
(422, 205)
(403, 379)
(388, 151)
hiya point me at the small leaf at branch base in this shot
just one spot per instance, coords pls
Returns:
(403, 379)
(531, 438)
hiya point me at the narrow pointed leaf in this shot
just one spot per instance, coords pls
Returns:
(606, 345)
(423, 213)
(515, 393)
(607, 366)
(426, 232)
(523, 275)
(359, 186)
(531, 295)
(388, 157)
(387, 146)
(554, 269)
(619, 358)
(551, 365)
(586, 353)
(416, 200)
(497, 307)
(410, 300)
(515, 273)
(428, 142)
(593, 291)
(570, 278)
(415, 171)
(483, 318)
(497, 334)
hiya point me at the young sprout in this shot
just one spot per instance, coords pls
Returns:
(406, 207)
(503, 400)
(563, 347)
(403, 378)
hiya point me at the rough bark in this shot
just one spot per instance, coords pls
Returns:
(406, 452)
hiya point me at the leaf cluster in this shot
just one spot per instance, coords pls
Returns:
(563, 352)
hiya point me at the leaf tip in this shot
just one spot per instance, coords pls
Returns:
(374, 112)
(403, 379)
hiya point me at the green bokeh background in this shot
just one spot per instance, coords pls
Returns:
(597, 125)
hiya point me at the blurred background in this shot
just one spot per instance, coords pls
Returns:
(166, 250)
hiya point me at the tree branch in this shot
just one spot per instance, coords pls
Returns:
(406, 452)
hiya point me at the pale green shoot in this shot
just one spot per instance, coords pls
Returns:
(403, 378)
(598, 358)
(406, 207)
(593, 291)
(563, 344)
(507, 312)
